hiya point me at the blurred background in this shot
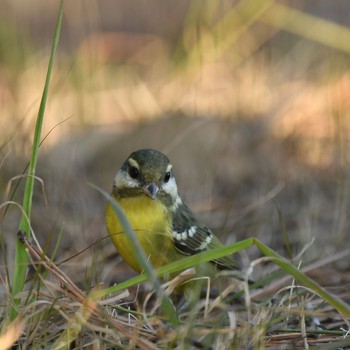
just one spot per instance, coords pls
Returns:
(249, 99)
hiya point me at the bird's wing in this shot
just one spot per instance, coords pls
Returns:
(191, 237)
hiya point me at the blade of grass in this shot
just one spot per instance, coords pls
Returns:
(295, 21)
(283, 228)
(21, 258)
(337, 303)
(183, 264)
(228, 30)
(197, 259)
(142, 259)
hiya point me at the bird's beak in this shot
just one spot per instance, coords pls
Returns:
(151, 190)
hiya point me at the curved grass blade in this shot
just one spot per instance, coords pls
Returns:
(336, 302)
(140, 255)
(184, 264)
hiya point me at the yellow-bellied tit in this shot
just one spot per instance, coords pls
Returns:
(167, 230)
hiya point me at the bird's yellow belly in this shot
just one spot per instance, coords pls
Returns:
(151, 225)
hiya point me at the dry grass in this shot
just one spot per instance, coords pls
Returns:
(62, 316)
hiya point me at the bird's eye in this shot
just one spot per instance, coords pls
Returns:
(134, 172)
(167, 176)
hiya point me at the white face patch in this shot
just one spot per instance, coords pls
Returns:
(123, 180)
(171, 188)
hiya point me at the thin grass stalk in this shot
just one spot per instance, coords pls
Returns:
(21, 258)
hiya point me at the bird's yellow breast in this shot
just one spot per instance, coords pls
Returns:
(151, 224)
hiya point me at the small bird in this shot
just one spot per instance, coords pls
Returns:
(167, 230)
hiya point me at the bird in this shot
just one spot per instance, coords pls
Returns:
(166, 228)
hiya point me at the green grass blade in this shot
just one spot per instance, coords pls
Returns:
(337, 303)
(184, 264)
(197, 259)
(284, 230)
(142, 260)
(328, 33)
(21, 258)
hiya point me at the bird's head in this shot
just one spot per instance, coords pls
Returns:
(146, 172)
